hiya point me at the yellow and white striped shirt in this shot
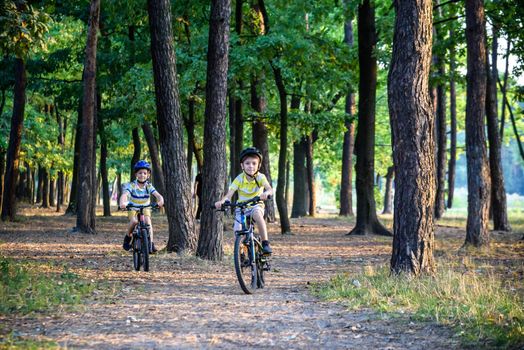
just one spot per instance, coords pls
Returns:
(248, 188)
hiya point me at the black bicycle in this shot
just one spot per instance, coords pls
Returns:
(141, 242)
(250, 260)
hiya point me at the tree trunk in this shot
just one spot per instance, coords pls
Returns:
(15, 139)
(285, 226)
(453, 126)
(346, 191)
(286, 196)
(479, 185)
(61, 142)
(412, 124)
(258, 103)
(137, 151)
(45, 188)
(85, 215)
(169, 119)
(158, 175)
(103, 164)
(39, 188)
(367, 221)
(51, 191)
(503, 90)
(260, 141)
(498, 190)
(210, 244)
(73, 198)
(440, 201)
(388, 196)
(300, 198)
(311, 175)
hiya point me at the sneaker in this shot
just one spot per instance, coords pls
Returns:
(127, 242)
(266, 248)
(153, 248)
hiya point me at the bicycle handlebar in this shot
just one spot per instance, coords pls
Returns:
(152, 206)
(239, 204)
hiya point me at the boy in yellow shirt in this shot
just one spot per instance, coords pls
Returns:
(249, 184)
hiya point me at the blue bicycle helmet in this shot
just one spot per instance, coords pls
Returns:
(142, 164)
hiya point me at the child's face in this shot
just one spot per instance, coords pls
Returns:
(250, 165)
(142, 175)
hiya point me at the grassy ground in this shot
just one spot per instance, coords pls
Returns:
(478, 292)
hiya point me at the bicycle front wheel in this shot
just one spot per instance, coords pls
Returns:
(245, 266)
(145, 250)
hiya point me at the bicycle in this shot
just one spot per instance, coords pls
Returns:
(141, 241)
(250, 261)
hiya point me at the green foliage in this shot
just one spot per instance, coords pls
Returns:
(25, 289)
(22, 28)
(479, 307)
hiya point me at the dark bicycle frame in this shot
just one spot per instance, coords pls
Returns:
(141, 225)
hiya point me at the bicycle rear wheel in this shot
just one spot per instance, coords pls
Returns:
(145, 249)
(245, 268)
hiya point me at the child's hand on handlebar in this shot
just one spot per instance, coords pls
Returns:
(218, 204)
(264, 196)
(123, 206)
(160, 203)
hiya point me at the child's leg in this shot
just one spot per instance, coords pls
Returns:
(132, 223)
(258, 215)
(148, 221)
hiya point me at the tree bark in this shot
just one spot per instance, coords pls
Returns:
(51, 191)
(479, 185)
(412, 123)
(169, 119)
(311, 174)
(158, 175)
(45, 188)
(103, 164)
(367, 221)
(260, 141)
(300, 198)
(285, 226)
(453, 126)
(388, 196)
(258, 103)
(503, 90)
(137, 151)
(440, 202)
(72, 206)
(15, 140)
(85, 215)
(346, 191)
(210, 245)
(498, 190)
(61, 143)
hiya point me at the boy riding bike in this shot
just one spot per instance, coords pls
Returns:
(139, 193)
(249, 184)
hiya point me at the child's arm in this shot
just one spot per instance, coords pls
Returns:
(123, 200)
(159, 199)
(268, 191)
(227, 196)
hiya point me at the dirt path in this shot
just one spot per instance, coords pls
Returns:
(188, 303)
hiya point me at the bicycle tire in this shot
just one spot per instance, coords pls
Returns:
(145, 249)
(137, 253)
(246, 272)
